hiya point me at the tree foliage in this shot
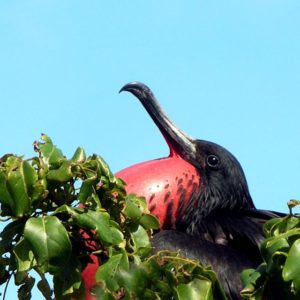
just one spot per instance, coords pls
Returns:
(59, 213)
(278, 277)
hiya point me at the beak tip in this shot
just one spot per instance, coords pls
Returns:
(134, 86)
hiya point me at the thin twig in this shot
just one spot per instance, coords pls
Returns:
(6, 286)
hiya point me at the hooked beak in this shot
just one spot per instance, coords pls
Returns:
(179, 143)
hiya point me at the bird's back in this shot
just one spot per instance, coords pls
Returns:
(233, 247)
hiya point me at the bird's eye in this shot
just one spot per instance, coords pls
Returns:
(212, 161)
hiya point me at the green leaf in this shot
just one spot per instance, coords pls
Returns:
(105, 170)
(271, 227)
(250, 279)
(86, 189)
(247, 276)
(278, 226)
(149, 222)
(271, 245)
(63, 173)
(135, 281)
(291, 269)
(107, 272)
(131, 209)
(124, 262)
(20, 180)
(24, 256)
(5, 197)
(79, 155)
(20, 277)
(194, 289)
(49, 242)
(98, 221)
(52, 156)
(140, 240)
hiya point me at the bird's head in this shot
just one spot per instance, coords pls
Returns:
(196, 179)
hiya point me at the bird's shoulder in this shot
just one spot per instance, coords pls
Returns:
(239, 228)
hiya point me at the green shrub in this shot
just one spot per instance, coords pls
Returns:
(58, 212)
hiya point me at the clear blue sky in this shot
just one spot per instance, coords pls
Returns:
(224, 71)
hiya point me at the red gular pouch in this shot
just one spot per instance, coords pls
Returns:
(167, 184)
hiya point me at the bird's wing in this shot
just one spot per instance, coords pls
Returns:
(240, 229)
(249, 224)
(227, 262)
(228, 242)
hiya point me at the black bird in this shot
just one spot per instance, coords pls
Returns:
(200, 194)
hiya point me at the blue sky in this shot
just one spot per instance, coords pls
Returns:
(224, 71)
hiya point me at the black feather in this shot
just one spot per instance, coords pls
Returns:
(220, 226)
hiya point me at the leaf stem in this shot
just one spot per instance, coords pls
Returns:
(6, 286)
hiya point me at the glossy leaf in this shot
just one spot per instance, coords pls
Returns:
(291, 269)
(49, 242)
(63, 173)
(278, 276)
(86, 189)
(18, 183)
(149, 222)
(193, 289)
(79, 155)
(131, 209)
(98, 221)
(250, 279)
(52, 156)
(134, 281)
(140, 240)
(108, 271)
(270, 246)
(105, 170)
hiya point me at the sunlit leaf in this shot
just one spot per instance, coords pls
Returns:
(98, 221)
(291, 269)
(193, 289)
(51, 154)
(49, 242)
(20, 180)
(63, 173)
(79, 155)
(131, 209)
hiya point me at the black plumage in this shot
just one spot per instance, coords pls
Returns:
(220, 225)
